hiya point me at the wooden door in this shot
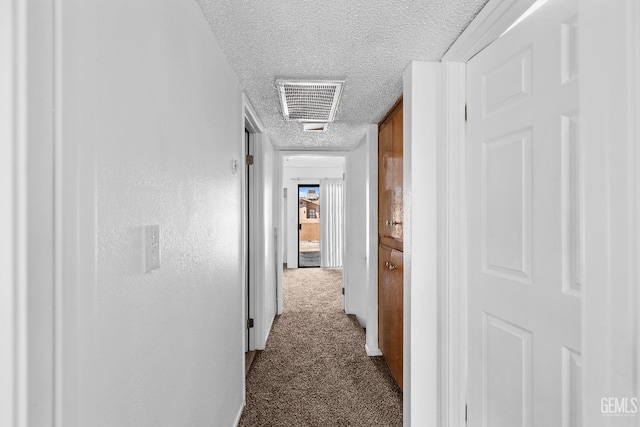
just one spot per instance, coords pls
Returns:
(390, 213)
(390, 206)
(390, 315)
(524, 224)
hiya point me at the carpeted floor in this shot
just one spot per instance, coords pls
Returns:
(314, 371)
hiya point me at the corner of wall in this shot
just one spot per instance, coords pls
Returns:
(422, 118)
(371, 167)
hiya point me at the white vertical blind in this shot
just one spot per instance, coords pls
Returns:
(331, 222)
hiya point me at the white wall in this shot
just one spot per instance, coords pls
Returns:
(315, 173)
(165, 348)
(355, 225)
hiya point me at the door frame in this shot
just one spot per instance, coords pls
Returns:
(250, 228)
(28, 256)
(612, 204)
(298, 196)
(281, 209)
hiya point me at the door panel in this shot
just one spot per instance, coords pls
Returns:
(524, 225)
(397, 207)
(385, 143)
(390, 204)
(390, 216)
(390, 300)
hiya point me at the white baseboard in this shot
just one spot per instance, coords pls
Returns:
(372, 351)
(239, 415)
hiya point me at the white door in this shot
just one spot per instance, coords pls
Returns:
(524, 259)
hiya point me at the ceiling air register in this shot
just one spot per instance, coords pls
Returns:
(310, 101)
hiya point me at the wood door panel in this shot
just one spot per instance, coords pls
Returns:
(384, 313)
(385, 142)
(390, 314)
(390, 235)
(390, 190)
(396, 200)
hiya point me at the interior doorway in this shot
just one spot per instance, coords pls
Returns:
(249, 206)
(308, 226)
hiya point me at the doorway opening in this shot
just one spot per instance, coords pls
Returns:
(308, 226)
(249, 344)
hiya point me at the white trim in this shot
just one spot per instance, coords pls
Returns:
(8, 218)
(251, 227)
(493, 20)
(372, 352)
(266, 332)
(237, 421)
(259, 231)
(253, 234)
(250, 116)
(258, 300)
(27, 213)
(422, 145)
(278, 200)
(347, 204)
(454, 244)
(371, 345)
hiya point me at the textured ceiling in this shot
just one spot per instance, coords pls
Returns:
(366, 42)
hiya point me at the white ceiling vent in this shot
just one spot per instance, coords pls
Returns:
(314, 127)
(310, 101)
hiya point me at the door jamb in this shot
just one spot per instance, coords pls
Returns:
(609, 133)
(250, 223)
(280, 214)
(300, 184)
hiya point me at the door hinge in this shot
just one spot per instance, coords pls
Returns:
(249, 159)
(465, 413)
(342, 291)
(465, 112)
(249, 323)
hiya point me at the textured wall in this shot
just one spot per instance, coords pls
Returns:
(169, 347)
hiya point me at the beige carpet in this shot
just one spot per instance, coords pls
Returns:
(314, 371)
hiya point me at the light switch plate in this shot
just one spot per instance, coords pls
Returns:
(151, 247)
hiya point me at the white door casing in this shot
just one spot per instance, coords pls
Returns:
(524, 225)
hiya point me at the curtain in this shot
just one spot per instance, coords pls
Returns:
(331, 222)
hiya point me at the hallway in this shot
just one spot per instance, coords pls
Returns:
(146, 211)
(314, 370)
